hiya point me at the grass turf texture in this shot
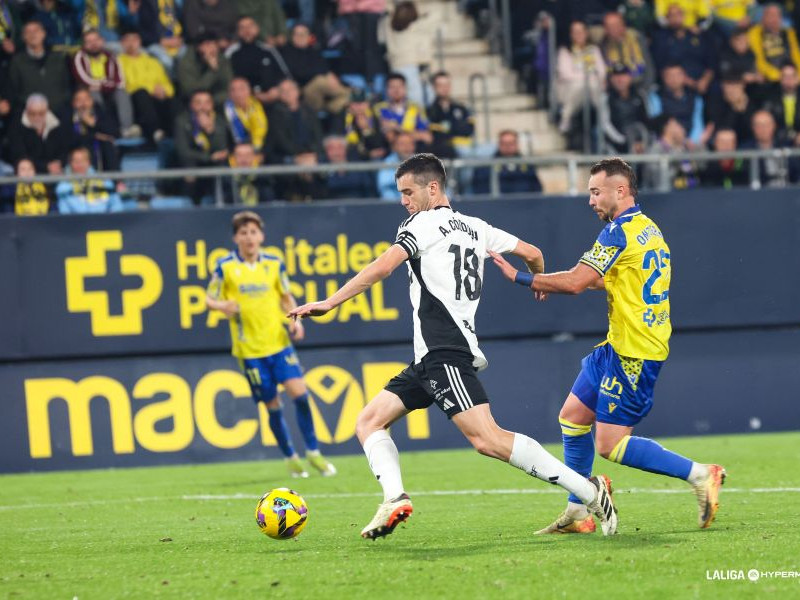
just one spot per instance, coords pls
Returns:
(134, 534)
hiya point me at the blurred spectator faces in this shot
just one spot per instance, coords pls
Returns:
(208, 49)
(614, 26)
(289, 93)
(239, 91)
(674, 78)
(79, 161)
(771, 18)
(33, 35)
(673, 133)
(36, 109)
(131, 43)
(621, 80)
(25, 168)
(578, 34)
(93, 42)
(335, 149)
(244, 156)
(764, 128)
(301, 36)
(396, 88)
(725, 140)
(82, 101)
(247, 30)
(675, 17)
(404, 145)
(789, 79)
(201, 103)
(508, 143)
(733, 90)
(442, 85)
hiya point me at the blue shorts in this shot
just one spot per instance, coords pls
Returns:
(264, 374)
(618, 389)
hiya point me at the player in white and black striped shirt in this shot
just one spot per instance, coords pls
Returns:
(445, 251)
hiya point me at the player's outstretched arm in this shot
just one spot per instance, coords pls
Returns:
(532, 256)
(576, 280)
(378, 270)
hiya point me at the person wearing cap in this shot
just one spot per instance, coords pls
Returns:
(204, 68)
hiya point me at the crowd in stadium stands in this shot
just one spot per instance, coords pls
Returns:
(242, 83)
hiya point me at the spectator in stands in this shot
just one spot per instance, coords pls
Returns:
(149, 87)
(91, 128)
(364, 56)
(402, 148)
(248, 189)
(39, 70)
(363, 130)
(295, 133)
(409, 47)
(725, 172)
(513, 178)
(107, 16)
(39, 136)
(734, 110)
(162, 33)
(30, 198)
(61, 23)
(86, 195)
(246, 118)
(693, 50)
(628, 47)
(345, 184)
(98, 70)
(451, 123)
(696, 14)
(400, 114)
(772, 170)
(627, 106)
(257, 62)
(773, 44)
(201, 140)
(321, 87)
(783, 104)
(214, 17)
(268, 16)
(673, 99)
(672, 140)
(203, 68)
(736, 58)
(581, 73)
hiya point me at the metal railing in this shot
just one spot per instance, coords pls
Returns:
(473, 103)
(571, 162)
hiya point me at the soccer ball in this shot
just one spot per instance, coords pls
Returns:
(281, 514)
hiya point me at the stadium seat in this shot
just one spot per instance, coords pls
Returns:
(170, 202)
(140, 162)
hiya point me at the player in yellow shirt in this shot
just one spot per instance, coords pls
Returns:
(252, 289)
(632, 262)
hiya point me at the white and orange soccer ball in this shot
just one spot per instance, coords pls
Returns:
(281, 514)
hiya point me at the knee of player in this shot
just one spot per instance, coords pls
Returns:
(274, 404)
(367, 423)
(605, 447)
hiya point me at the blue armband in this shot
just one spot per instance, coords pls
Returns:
(525, 279)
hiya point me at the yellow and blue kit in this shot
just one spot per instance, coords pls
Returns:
(259, 338)
(617, 379)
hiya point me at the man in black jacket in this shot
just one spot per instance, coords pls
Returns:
(452, 123)
(256, 61)
(38, 135)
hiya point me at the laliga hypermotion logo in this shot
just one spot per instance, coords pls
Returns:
(95, 264)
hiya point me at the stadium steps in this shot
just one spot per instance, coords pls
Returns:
(464, 54)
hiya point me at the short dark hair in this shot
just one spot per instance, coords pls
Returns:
(76, 149)
(395, 75)
(438, 74)
(240, 219)
(617, 166)
(424, 167)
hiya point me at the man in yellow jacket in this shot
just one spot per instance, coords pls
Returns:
(149, 86)
(773, 44)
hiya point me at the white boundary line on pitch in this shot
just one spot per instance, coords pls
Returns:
(345, 495)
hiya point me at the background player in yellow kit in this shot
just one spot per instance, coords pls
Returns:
(631, 260)
(252, 289)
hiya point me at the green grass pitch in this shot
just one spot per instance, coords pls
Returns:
(190, 532)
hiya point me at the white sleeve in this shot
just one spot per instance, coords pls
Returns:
(414, 236)
(500, 241)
